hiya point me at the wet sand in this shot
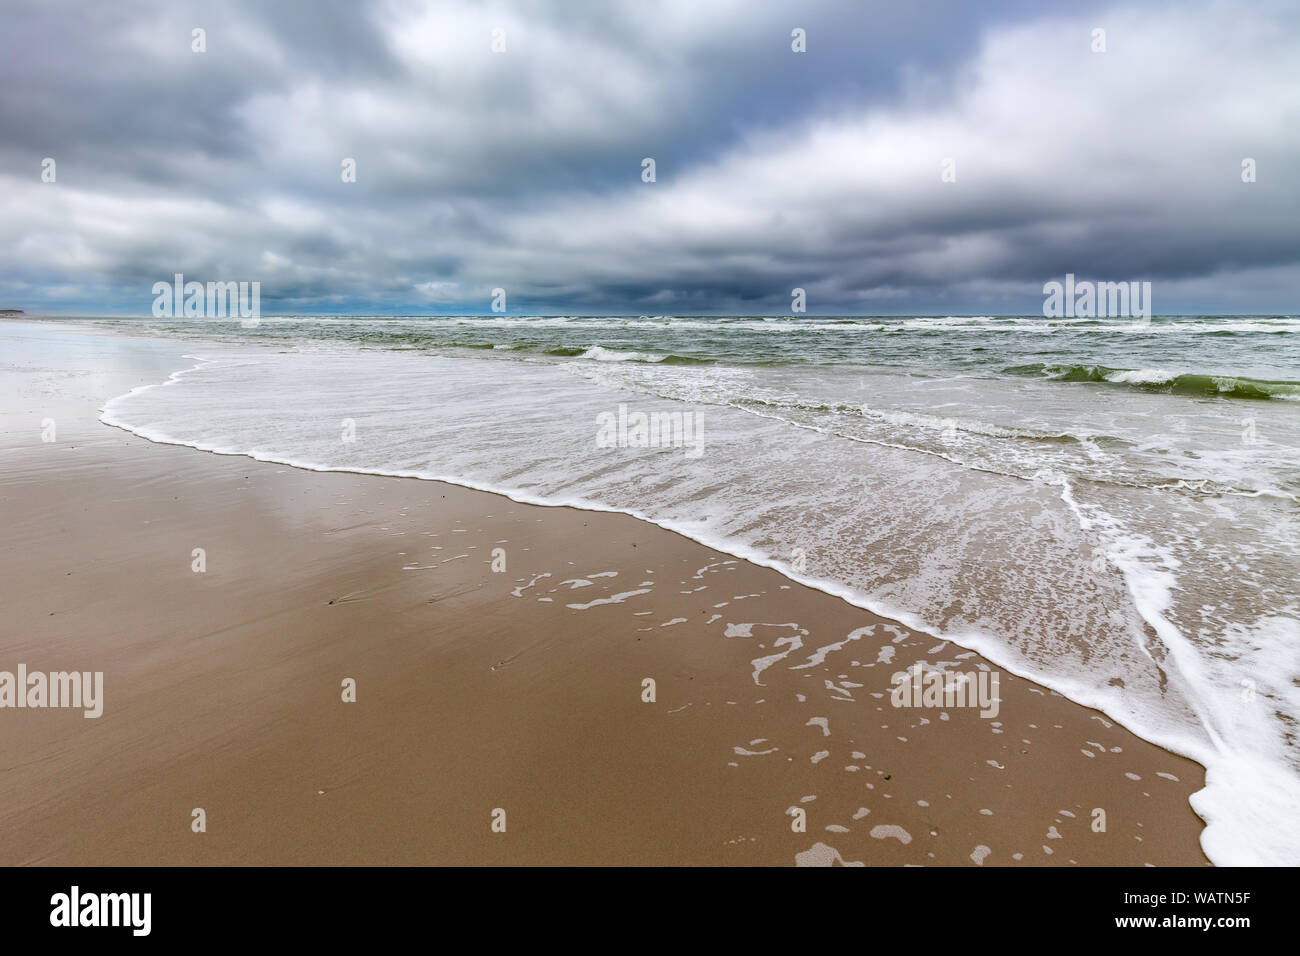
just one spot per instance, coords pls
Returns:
(479, 689)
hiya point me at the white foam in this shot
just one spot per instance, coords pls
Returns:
(1143, 376)
(889, 831)
(612, 599)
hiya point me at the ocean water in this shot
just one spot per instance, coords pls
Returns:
(1111, 508)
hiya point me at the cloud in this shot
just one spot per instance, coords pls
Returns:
(522, 169)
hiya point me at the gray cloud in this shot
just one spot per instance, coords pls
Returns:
(522, 169)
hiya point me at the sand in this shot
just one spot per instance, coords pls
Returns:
(480, 690)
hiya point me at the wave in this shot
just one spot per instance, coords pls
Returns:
(599, 353)
(905, 418)
(1194, 384)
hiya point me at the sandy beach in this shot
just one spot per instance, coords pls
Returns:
(479, 689)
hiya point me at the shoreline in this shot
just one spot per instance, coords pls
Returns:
(976, 643)
(681, 780)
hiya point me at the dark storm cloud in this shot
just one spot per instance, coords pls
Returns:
(521, 170)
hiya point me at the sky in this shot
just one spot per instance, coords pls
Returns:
(943, 157)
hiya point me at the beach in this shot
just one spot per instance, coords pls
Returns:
(479, 689)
